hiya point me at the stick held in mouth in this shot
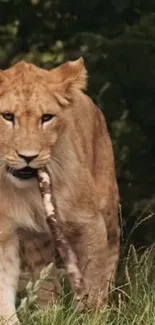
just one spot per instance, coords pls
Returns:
(63, 246)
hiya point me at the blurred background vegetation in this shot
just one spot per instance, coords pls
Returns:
(117, 40)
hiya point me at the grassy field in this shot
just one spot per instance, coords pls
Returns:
(131, 302)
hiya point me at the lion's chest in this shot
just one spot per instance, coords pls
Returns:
(23, 206)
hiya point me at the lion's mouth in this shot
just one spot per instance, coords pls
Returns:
(24, 173)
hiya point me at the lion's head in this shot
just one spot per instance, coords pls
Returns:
(33, 102)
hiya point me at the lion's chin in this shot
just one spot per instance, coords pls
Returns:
(24, 173)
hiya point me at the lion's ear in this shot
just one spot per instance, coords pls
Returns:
(75, 74)
(69, 76)
(3, 80)
(2, 77)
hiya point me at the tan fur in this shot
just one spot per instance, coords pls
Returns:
(77, 151)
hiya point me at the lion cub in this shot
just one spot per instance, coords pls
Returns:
(46, 119)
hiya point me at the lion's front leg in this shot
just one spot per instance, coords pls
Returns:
(9, 273)
(91, 246)
(39, 251)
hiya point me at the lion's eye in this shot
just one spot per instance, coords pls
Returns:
(46, 117)
(8, 116)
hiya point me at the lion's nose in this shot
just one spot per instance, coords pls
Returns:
(27, 158)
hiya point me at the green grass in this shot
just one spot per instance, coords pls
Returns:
(131, 302)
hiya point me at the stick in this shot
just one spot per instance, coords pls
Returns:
(62, 243)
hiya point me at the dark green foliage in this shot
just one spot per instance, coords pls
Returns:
(117, 40)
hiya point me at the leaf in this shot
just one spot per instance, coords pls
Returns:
(120, 5)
